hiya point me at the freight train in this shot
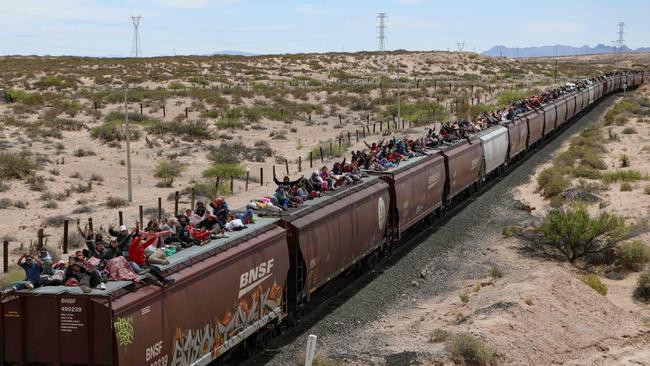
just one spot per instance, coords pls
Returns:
(241, 291)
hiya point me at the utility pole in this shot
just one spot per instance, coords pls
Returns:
(399, 92)
(620, 41)
(381, 40)
(128, 144)
(136, 47)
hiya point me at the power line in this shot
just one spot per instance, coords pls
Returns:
(621, 41)
(461, 46)
(136, 47)
(381, 40)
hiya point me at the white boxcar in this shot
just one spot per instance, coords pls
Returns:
(494, 142)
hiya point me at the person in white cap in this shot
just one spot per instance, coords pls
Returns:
(124, 237)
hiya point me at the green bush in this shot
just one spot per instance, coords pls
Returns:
(114, 131)
(573, 234)
(470, 350)
(551, 182)
(496, 272)
(642, 291)
(224, 171)
(168, 171)
(595, 283)
(115, 202)
(16, 166)
(633, 255)
(623, 175)
(226, 123)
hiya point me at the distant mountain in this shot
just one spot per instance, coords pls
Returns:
(234, 53)
(559, 50)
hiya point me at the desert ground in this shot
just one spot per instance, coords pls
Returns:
(63, 150)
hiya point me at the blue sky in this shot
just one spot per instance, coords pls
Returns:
(102, 28)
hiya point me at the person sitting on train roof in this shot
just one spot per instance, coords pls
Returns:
(140, 260)
(200, 208)
(286, 181)
(79, 274)
(326, 176)
(318, 183)
(32, 267)
(123, 236)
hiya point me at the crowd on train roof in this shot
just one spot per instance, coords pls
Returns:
(131, 255)
(384, 155)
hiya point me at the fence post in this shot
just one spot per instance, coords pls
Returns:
(5, 256)
(232, 185)
(261, 176)
(141, 109)
(164, 111)
(299, 163)
(176, 195)
(340, 119)
(40, 238)
(65, 237)
(187, 113)
(159, 209)
(286, 165)
(381, 126)
(274, 171)
(120, 217)
(141, 216)
(90, 222)
(321, 154)
(248, 174)
(357, 133)
(349, 137)
(192, 200)
(331, 149)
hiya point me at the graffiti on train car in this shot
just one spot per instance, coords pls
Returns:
(193, 344)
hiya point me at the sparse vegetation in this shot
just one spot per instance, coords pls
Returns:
(439, 335)
(633, 255)
(572, 233)
(595, 283)
(470, 350)
(16, 166)
(168, 171)
(496, 272)
(626, 187)
(115, 202)
(642, 291)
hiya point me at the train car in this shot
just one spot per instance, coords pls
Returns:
(326, 237)
(416, 190)
(535, 121)
(560, 107)
(638, 79)
(579, 100)
(550, 117)
(593, 89)
(463, 163)
(517, 136)
(494, 142)
(179, 325)
(570, 105)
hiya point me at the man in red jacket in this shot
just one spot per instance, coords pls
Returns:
(138, 256)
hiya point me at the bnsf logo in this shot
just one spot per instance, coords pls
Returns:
(249, 279)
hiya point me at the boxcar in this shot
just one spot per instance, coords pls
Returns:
(463, 165)
(535, 126)
(416, 190)
(326, 237)
(214, 304)
(579, 105)
(560, 107)
(570, 106)
(550, 115)
(494, 142)
(517, 136)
